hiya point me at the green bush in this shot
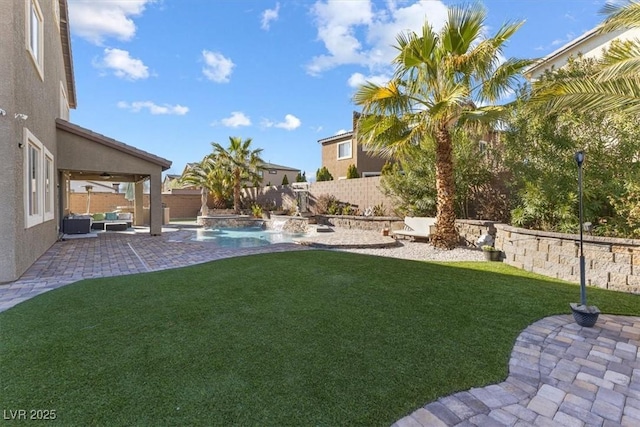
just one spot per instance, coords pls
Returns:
(322, 174)
(352, 172)
(285, 180)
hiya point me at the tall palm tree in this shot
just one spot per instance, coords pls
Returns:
(213, 178)
(616, 84)
(243, 163)
(442, 80)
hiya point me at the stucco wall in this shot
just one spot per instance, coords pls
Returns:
(610, 263)
(23, 91)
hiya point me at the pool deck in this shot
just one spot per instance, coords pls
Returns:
(560, 374)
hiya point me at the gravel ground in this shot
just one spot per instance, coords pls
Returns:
(423, 252)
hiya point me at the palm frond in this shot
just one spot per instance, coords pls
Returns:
(621, 15)
(620, 60)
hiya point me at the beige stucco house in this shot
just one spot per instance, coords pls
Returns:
(342, 150)
(273, 174)
(41, 151)
(589, 45)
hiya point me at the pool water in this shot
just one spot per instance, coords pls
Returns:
(248, 237)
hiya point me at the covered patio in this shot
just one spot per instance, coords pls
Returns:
(89, 156)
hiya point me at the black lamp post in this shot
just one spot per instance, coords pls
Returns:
(584, 315)
(579, 156)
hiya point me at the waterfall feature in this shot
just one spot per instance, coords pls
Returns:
(278, 224)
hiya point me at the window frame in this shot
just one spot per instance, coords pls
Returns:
(56, 13)
(33, 8)
(350, 143)
(39, 193)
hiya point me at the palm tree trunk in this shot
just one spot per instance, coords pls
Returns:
(236, 191)
(446, 235)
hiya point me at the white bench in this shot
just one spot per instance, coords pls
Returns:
(416, 228)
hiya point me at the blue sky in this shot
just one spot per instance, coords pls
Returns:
(172, 76)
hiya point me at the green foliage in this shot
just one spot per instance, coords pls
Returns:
(379, 210)
(256, 210)
(242, 162)
(285, 180)
(322, 174)
(323, 202)
(539, 150)
(412, 181)
(212, 175)
(352, 172)
(301, 177)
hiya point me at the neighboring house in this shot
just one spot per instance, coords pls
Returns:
(41, 151)
(94, 187)
(340, 151)
(588, 45)
(170, 182)
(273, 174)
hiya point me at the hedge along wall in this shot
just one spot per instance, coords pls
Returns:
(610, 263)
(362, 192)
(180, 205)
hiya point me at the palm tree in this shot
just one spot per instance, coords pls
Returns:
(213, 178)
(441, 79)
(243, 163)
(616, 84)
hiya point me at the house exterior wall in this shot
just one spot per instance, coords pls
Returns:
(23, 91)
(368, 162)
(591, 47)
(337, 167)
(271, 178)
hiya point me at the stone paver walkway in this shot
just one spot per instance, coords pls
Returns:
(115, 254)
(560, 374)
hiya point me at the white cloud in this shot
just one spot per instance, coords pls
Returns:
(341, 131)
(97, 20)
(358, 79)
(154, 108)
(123, 65)
(565, 40)
(290, 122)
(353, 32)
(268, 16)
(217, 68)
(236, 119)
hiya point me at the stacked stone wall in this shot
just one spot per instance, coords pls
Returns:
(367, 223)
(609, 263)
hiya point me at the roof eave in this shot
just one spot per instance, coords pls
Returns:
(112, 143)
(65, 38)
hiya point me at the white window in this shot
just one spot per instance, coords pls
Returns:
(64, 103)
(35, 35)
(48, 186)
(39, 181)
(344, 150)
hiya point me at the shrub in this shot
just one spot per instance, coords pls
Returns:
(323, 202)
(285, 180)
(301, 177)
(323, 174)
(352, 172)
(256, 210)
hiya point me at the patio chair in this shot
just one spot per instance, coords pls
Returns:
(416, 228)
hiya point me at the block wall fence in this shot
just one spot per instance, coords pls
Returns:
(362, 192)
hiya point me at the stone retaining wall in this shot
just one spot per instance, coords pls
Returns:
(369, 223)
(228, 221)
(288, 224)
(610, 263)
(471, 229)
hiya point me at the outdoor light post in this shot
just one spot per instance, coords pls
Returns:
(583, 314)
(579, 156)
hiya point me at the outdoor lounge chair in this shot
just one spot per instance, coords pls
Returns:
(416, 228)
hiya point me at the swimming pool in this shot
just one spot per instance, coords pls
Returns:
(247, 237)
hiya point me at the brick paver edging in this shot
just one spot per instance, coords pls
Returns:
(560, 374)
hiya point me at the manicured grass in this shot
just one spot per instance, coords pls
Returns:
(300, 338)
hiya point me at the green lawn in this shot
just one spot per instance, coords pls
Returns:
(298, 338)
